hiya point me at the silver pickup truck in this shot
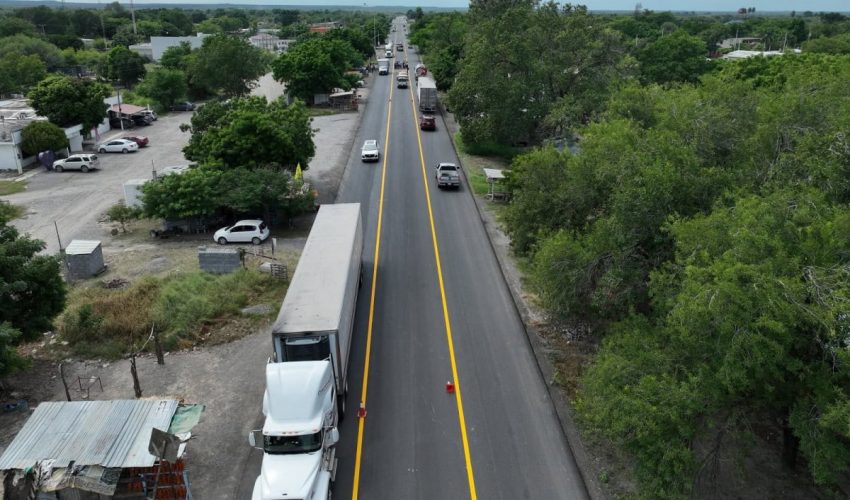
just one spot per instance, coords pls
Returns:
(447, 175)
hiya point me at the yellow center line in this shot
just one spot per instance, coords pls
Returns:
(470, 476)
(355, 489)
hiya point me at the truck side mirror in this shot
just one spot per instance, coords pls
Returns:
(332, 437)
(252, 439)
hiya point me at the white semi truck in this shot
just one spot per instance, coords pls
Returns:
(316, 320)
(299, 435)
(426, 92)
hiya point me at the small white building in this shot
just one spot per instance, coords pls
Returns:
(159, 44)
(270, 42)
(15, 114)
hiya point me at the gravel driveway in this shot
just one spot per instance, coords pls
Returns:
(75, 200)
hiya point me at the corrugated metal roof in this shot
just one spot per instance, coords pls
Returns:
(106, 433)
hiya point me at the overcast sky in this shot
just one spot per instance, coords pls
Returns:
(657, 5)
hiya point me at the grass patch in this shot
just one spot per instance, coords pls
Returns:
(11, 187)
(11, 212)
(487, 148)
(474, 165)
(109, 323)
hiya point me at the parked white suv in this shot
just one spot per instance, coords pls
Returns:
(118, 146)
(82, 162)
(370, 151)
(244, 231)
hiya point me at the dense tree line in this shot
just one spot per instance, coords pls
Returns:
(699, 229)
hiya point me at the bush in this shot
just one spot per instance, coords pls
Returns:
(110, 323)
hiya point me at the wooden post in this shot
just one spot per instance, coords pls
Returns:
(160, 357)
(62, 376)
(136, 387)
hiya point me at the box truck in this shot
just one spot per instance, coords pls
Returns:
(300, 432)
(426, 92)
(383, 66)
(316, 320)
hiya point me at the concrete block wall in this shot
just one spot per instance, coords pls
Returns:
(218, 260)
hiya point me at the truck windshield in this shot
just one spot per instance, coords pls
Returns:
(306, 349)
(282, 445)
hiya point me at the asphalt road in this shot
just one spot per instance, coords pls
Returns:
(413, 443)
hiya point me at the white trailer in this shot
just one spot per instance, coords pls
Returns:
(383, 66)
(299, 435)
(316, 320)
(426, 92)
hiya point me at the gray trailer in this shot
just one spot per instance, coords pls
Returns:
(316, 320)
(426, 92)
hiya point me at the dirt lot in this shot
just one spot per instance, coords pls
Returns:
(229, 377)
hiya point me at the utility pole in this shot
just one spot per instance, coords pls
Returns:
(133, 16)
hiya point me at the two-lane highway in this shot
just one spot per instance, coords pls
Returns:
(436, 309)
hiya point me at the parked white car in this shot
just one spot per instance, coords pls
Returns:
(370, 151)
(81, 162)
(244, 231)
(117, 146)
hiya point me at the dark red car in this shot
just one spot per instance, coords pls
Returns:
(138, 139)
(427, 122)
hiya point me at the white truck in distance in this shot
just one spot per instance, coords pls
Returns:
(383, 66)
(316, 320)
(299, 434)
(426, 92)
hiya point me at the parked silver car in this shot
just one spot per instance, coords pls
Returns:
(117, 146)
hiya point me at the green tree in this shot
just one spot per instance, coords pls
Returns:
(195, 193)
(41, 136)
(28, 46)
(839, 44)
(31, 288)
(85, 23)
(164, 86)
(252, 134)
(20, 72)
(315, 65)
(124, 36)
(125, 66)
(10, 26)
(228, 65)
(69, 101)
(674, 58)
(176, 57)
(122, 214)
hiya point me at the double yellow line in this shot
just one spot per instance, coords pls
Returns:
(456, 378)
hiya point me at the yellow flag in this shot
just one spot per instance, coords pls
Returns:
(298, 171)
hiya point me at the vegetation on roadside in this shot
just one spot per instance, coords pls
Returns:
(32, 292)
(110, 323)
(699, 229)
(12, 187)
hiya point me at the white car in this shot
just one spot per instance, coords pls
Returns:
(81, 162)
(370, 151)
(245, 231)
(117, 146)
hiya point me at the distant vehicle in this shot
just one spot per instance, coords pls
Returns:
(427, 122)
(426, 92)
(383, 66)
(402, 79)
(141, 140)
(183, 106)
(142, 120)
(245, 231)
(118, 146)
(151, 113)
(370, 151)
(388, 53)
(447, 175)
(81, 162)
(399, 47)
